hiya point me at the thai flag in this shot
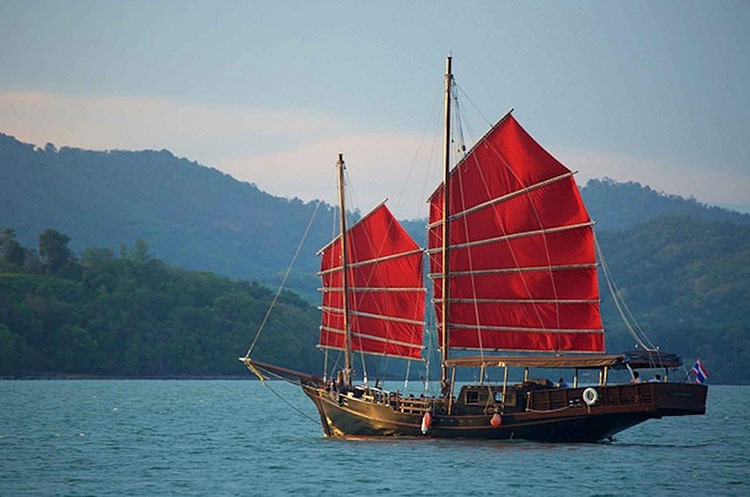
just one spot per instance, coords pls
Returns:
(699, 371)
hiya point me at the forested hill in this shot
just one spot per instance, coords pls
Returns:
(616, 205)
(192, 216)
(681, 265)
(199, 218)
(133, 315)
(687, 280)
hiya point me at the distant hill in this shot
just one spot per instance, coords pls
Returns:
(687, 280)
(616, 205)
(681, 264)
(192, 216)
(199, 218)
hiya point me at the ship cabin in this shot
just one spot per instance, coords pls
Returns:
(541, 394)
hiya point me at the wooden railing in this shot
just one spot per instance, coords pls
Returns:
(610, 395)
(406, 405)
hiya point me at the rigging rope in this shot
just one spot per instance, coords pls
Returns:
(355, 204)
(265, 383)
(283, 281)
(619, 304)
(298, 410)
(627, 316)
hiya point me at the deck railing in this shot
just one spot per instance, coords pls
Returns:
(406, 405)
(610, 395)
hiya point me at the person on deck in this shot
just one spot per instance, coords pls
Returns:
(655, 379)
(561, 383)
(636, 377)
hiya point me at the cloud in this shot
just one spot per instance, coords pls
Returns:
(199, 131)
(286, 152)
(378, 165)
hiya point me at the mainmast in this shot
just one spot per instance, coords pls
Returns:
(446, 224)
(347, 372)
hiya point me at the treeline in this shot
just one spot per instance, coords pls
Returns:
(687, 281)
(615, 205)
(192, 216)
(199, 218)
(130, 314)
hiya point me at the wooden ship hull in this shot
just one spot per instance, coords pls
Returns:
(551, 415)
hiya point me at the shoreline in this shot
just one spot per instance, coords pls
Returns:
(64, 376)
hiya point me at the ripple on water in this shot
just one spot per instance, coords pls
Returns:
(195, 438)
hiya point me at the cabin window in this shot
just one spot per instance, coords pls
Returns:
(510, 398)
(472, 397)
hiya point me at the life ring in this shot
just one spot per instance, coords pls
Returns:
(590, 396)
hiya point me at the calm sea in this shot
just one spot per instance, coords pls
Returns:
(213, 438)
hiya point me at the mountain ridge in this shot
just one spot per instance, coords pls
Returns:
(679, 262)
(198, 217)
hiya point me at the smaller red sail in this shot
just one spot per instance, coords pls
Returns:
(386, 292)
(522, 266)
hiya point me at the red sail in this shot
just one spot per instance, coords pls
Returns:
(386, 291)
(522, 264)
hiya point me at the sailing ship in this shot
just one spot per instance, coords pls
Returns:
(512, 261)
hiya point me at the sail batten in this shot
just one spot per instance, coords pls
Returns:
(371, 261)
(522, 262)
(385, 292)
(370, 336)
(372, 289)
(414, 357)
(518, 301)
(511, 236)
(521, 329)
(480, 272)
(383, 317)
(502, 198)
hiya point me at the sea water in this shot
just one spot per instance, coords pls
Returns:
(213, 438)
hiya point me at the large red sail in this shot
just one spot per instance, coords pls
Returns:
(386, 290)
(522, 263)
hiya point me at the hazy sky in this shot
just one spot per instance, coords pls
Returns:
(270, 92)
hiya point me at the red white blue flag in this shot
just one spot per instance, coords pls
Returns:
(699, 371)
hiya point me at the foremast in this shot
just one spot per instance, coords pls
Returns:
(347, 371)
(445, 294)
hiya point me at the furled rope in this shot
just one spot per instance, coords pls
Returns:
(283, 281)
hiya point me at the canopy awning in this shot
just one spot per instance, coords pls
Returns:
(634, 359)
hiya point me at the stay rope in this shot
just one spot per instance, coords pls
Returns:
(283, 281)
(621, 306)
(498, 155)
(277, 394)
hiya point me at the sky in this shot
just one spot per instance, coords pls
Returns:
(271, 92)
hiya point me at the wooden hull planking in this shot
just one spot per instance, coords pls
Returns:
(356, 416)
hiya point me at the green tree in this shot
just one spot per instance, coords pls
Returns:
(54, 251)
(11, 252)
(92, 257)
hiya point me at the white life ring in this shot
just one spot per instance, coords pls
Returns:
(590, 396)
